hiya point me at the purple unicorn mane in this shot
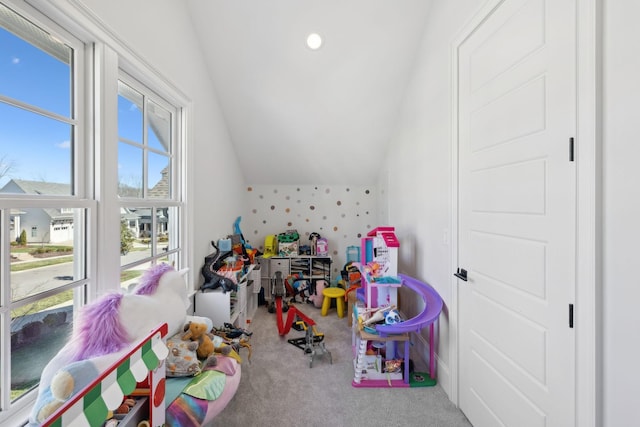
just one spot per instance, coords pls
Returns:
(151, 278)
(97, 330)
(101, 316)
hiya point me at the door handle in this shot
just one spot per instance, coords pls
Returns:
(461, 274)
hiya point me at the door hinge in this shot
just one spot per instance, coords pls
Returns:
(571, 315)
(571, 149)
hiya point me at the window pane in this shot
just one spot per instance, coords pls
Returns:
(34, 148)
(129, 170)
(159, 176)
(35, 67)
(48, 260)
(159, 131)
(131, 277)
(135, 234)
(162, 230)
(38, 331)
(129, 114)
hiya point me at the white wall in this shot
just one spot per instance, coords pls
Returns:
(342, 214)
(422, 145)
(621, 211)
(160, 32)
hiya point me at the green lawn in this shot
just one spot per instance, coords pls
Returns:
(41, 263)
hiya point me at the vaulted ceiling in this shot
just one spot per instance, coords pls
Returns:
(302, 116)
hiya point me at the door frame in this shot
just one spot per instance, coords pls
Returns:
(588, 301)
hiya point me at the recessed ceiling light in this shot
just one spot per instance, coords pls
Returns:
(314, 41)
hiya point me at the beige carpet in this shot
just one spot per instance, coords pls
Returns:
(278, 388)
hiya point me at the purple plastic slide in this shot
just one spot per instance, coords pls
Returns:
(432, 308)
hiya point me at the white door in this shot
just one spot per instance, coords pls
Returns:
(517, 212)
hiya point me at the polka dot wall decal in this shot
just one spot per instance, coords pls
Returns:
(261, 196)
(324, 217)
(255, 211)
(287, 210)
(312, 207)
(335, 228)
(288, 198)
(307, 220)
(275, 191)
(359, 235)
(348, 190)
(264, 221)
(328, 190)
(343, 215)
(339, 203)
(366, 191)
(289, 224)
(249, 189)
(273, 208)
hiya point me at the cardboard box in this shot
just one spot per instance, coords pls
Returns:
(288, 249)
(374, 369)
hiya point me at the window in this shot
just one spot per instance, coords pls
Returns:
(50, 217)
(43, 216)
(147, 186)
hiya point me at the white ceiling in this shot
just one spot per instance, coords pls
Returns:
(298, 116)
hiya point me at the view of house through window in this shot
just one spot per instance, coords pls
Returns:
(150, 206)
(42, 257)
(49, 214)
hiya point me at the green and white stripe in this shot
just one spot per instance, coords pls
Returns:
(108, 394)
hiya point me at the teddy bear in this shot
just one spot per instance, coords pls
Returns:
(194, 331)
(207, 348)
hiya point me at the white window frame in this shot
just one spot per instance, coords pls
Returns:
(81, 197)
(106, 56)
(175, 199)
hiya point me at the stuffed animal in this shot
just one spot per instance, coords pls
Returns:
(197, 332)
(208, 344)
(125, 318)
(317, 297)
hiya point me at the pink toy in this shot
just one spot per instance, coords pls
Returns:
(322, 247)
(318, 297)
